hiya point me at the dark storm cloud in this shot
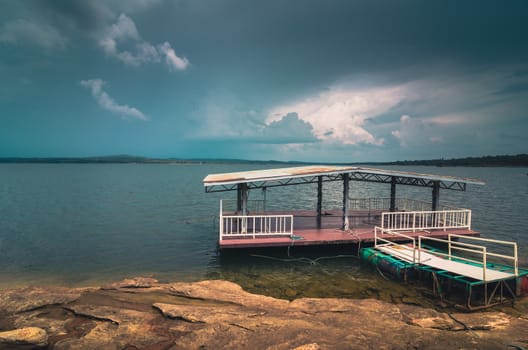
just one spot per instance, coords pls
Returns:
(361, 36)
(365, 79)
(289, 129)
(85, 15)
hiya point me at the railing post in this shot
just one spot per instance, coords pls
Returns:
(469, 220)
(414, 221)
(449, 246)
(419, 249)
(221, 223)
(319, 200)
(516, 260)
(414, 251)
(484, 262)
(445, 220)
(254, 218)
(346, 189)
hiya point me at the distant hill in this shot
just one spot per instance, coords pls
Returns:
(519, 160)
(127, 159)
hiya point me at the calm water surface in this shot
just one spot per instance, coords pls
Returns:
(86, 224)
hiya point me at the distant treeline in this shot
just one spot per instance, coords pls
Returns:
(88, 160)
(126, 159)
(519, 160)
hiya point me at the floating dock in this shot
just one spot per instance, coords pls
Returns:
(245, 223)
(389, 232)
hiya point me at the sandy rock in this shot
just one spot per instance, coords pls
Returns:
(113, 328)
(483, 320)
(225, 291)
(53, 325)
(136, 282)
(229, 314)
(32, 336)
(311, 346)
(220, 314)
(31, 298)
(111, 314)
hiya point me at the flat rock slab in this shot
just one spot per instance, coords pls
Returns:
(136, 282)
(30, 298)
(225, 291)
(29, 336)
(221, 315)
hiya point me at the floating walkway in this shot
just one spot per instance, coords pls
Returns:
(483, 277)
(442, 264)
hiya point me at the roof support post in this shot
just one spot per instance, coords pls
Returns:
(242, 198)
(239, 198)
(319, 200)
(393, 194)
(436, 196)
(346, 190)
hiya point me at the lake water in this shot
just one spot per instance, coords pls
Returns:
(87, 224)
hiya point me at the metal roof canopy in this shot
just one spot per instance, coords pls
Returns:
(310, 174)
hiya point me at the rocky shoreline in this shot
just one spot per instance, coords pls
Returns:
(141, 313)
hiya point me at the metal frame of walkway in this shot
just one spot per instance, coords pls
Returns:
(482, 273)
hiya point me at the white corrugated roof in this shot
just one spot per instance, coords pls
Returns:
(318, 170)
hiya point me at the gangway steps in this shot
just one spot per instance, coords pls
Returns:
(410, 254)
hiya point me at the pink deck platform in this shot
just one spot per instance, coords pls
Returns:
(329, 236)
(305, 233)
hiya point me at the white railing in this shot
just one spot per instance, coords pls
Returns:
(254, 225)
(426, 220)
(378, 231)
(475, 249)
(402, 204)
(483, 253)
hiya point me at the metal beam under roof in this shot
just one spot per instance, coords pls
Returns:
(310, 174)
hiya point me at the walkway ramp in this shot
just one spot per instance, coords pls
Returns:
(410, 254)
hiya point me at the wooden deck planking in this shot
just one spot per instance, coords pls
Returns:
(328, 236)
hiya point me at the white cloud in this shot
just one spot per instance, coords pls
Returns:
(172, 60)
(106, 102)
(288, 130)
(341, 113)
(124, 32)
(24, 32)
(123, 29)
(222, 117)
(416, 132)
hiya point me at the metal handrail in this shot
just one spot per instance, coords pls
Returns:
(423, 220)
(514, 257)
(392, 243)
(254, 225)
(471, 248)
(402, 203)
(449, 255)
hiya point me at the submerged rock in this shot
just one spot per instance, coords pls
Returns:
(136, 282)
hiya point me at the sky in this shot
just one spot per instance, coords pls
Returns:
(304, 80)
